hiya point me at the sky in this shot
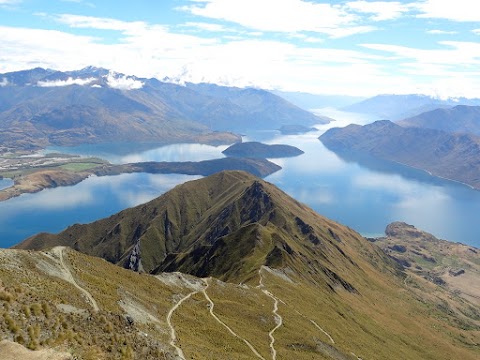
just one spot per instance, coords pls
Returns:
(356, 47)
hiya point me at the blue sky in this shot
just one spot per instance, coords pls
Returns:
(354, 47)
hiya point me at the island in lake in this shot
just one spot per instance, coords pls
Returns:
(261, 151)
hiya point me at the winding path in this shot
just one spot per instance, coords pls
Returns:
(276, 315)
(212, 305)
(67, 275)
(173, 336)
(319, 328)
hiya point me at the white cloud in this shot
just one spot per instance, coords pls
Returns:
(68, 82)
(4, 82)
(381, 10)
(90, 22)
(476, 31)
(9, 2)
(458, 10)
(89, 4)
(96, 86)
(450, 71)
(206, 26)
(453, 54)
(348, 31)
(441, 32)
(290, 60)
(286, 16)
(123, 82)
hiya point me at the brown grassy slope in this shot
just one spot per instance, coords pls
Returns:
(232, 224)
(383, 321)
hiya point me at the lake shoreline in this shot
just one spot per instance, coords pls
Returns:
(52, 178)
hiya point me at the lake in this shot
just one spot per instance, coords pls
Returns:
(5, 183)
(365, 194)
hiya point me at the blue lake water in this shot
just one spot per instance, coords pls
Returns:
(5, 183)
(365, 195)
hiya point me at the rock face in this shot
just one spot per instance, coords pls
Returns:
(459, 119)
(262, 151)
(451, 156)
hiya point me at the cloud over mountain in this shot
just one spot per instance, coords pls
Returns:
(123, 82)
(69, 81)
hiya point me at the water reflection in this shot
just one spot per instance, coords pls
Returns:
(54, 209)
(5, 183)
(177, 152)
(129, 153)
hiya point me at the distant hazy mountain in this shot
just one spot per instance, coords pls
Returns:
(396, 107)
(41, 107)
(317, 101)
(461, 119)
(234, 268)
(266, 110)
(452, 156)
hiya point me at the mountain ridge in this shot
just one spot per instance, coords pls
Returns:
(198, 217)
(293, 284)
(41, 107)
(458, 119)
(398, 107)
(450, 156)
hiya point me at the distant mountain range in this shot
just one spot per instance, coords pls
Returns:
(42, 107)
(452, 156)
(232, 268)
(459, 119)
(265, 110)
(397, 107)
(317, 101)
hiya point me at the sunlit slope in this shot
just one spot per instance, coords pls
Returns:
(69, 301)
(268, 278)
